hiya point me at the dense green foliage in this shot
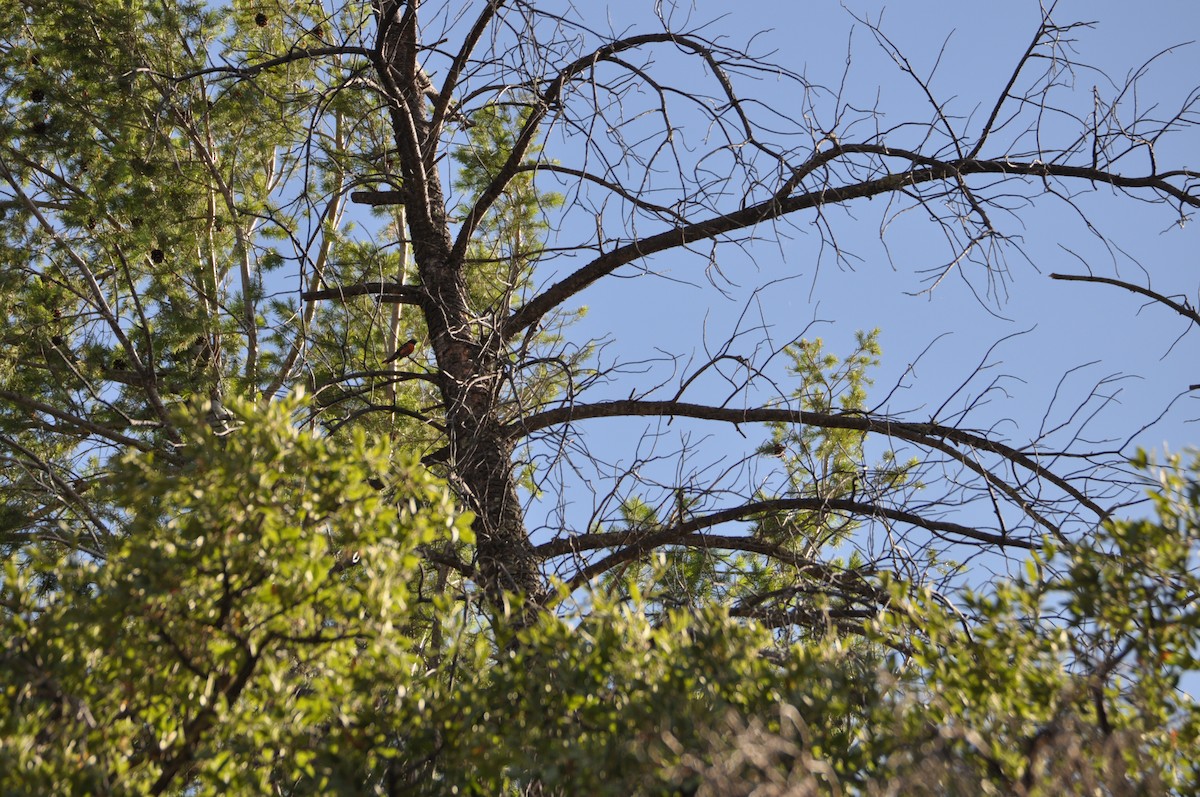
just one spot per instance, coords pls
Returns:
(248, 551)
(262, 630)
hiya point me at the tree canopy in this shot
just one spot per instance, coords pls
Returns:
(254, 542)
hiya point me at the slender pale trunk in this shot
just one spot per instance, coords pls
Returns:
(394, 329)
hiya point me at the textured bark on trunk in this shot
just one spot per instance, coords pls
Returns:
(479, 456)
(463, 342)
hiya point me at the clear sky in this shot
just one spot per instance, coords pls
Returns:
(1062, 341)
(1030, 354)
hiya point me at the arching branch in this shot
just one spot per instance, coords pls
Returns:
(443, 104)
(1183, 308)
(632, 544)
(551, 99)
(777, 206)
(925, 434)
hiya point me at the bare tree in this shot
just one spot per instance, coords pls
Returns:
(662, 150)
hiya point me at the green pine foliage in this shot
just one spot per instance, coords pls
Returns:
(265, 628)
(230, 569)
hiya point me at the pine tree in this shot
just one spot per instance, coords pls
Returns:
(253, 545)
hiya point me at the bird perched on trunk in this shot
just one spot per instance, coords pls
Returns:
(406, 348)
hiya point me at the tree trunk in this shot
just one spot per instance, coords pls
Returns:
(462, 339)
(480, 457)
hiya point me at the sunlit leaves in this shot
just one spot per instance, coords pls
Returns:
(1088, 654)
(258, 603)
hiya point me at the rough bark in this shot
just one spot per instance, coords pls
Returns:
(461, 337)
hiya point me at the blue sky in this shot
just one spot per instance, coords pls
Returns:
(1061, 340)
(1029, 353)
(1094, 359)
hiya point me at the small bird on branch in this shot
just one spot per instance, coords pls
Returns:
(406, 349)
